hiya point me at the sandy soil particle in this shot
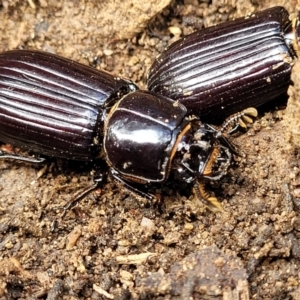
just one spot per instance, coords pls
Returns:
(293, 109)
(206, 273)
(115, 245)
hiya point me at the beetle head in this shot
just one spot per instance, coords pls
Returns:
(202, 154)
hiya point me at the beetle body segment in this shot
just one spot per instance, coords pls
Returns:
(54, 106)
(225, 68)
(140, 134)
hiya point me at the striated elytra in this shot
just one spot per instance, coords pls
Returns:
(224, 68)
(55, 106)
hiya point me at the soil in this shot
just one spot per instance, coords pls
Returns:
(116, 245)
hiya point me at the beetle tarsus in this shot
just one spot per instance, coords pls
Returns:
(78, 197)
(100, 178)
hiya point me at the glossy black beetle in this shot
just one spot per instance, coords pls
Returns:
(56, 107)
(217, 71)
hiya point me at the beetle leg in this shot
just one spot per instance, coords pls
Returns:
(99, 181)
(224, 162)
(209, 201)
(136, 188)
(5, 155)
(80, 196)
(74, 201)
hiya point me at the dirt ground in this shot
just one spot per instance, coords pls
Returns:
(115, 245)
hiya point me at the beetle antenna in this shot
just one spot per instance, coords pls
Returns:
(209, 201)
(240, 119)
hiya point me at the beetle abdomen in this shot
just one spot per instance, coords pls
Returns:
(54, 106)
(226, 68)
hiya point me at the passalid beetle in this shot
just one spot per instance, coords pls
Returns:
(56, 107)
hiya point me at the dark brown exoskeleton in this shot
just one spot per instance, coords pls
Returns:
(56, 107)
(221, 69)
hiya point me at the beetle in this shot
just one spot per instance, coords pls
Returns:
(56, 107)
(216, 71)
